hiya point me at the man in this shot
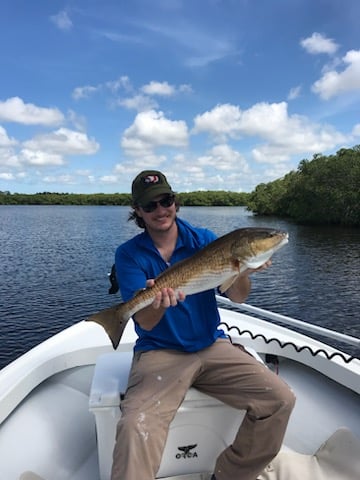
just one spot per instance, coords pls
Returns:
(179, 345)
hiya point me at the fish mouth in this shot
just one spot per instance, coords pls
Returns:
(267, 248)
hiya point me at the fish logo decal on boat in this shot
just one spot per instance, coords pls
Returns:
(217, 265)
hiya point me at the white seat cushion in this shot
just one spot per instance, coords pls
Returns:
(337, 459)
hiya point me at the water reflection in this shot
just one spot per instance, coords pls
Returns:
(54, 263)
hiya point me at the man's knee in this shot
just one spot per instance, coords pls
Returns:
(134, 422)
(288, 398)
(281, 400)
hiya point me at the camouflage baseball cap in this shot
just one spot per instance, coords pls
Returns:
(148, 185)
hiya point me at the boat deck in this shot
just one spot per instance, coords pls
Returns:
(48, 391)
(318, 414)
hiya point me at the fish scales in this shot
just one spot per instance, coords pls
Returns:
(218, 264)
(196, 275)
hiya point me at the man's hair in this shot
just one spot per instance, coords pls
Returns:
(139, 221)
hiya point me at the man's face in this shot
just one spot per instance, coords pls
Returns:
(159, 214)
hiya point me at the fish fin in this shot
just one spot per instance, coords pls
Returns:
(113, 320)
(227, 284)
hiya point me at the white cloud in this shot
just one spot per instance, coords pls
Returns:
(164, 89)
(132, 166)
(185, 88)
(224, 158)
(9, 157)
(7, 176)
(112, 86)
(83, 92)
(5, 141)
(143, 101)
(284, 134)
(150, 130)
(15, 110)
(63, 141)
(276, 170)
(334, 83)
(79, 121)
(189, 178)
(123, 83)
(83, 172)
(200, 46)
(110, 179)
(159, 88)
(298, 137)
(294, 93)
(318, 43)
(267, 120)
(142, 161)
(46, 149)
(62, 20)
(60, 179)
(222, 167)
(140, 100)
(40, 158)
(139, 103)
(262, 119)
(221, 120)
(356, 130)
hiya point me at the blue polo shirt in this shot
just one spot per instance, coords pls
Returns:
(189, 326)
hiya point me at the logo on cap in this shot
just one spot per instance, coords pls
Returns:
(151, 179)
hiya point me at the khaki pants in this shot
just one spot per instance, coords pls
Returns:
(158, 383)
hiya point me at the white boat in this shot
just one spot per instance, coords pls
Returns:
(59, 404)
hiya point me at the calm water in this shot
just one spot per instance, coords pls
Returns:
(54, 262)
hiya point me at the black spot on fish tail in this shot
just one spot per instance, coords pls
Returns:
(112, 321)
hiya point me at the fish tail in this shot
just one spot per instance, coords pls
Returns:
(113, 320)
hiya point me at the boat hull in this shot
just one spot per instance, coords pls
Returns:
(48, 403)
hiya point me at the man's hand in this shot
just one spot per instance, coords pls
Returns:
(151, 315)
(166, 297)
(240, 289)
(259, 269)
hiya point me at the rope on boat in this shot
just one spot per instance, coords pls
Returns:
(289, 321)
(346, 359)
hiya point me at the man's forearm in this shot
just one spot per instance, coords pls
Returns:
(149, 317)
(240, 289)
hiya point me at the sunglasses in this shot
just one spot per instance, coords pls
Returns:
(165, 202)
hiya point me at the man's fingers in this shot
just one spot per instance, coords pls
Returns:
(167, 298)
(264, 266)
(157, 300)
(172, 297)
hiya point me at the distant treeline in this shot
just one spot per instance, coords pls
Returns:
(201, 198)
(324, 190)
(48, 198)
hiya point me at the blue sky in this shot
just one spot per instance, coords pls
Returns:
(218, 94)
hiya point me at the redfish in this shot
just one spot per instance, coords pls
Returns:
(216, 265)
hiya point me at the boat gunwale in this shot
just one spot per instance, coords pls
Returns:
(83, 342)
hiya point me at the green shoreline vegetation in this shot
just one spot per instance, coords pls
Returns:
(322, 191)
